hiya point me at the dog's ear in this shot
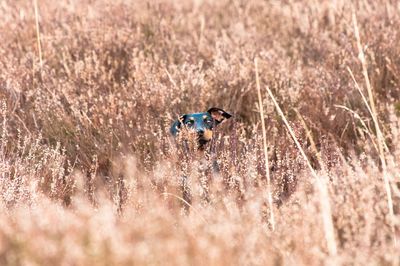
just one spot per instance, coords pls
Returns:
(218, 114)
(177, 125)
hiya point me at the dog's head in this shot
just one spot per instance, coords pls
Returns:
(200, 124)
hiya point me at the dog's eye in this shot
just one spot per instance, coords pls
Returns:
(189, 123)
(208, 121)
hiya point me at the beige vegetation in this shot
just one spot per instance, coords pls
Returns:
(88, 172)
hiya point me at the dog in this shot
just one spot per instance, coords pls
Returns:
(201, 124)
(198, 127)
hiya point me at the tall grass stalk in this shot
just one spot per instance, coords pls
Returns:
(167, 194)
(374, 118)
(38, 42)
(312, 142)
(265, 146)
(358, 117)
(321, 186)
(374, 114)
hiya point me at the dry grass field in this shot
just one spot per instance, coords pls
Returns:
(89, 174)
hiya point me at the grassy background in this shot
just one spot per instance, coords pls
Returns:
(88, 173)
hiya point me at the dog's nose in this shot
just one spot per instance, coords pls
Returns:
(200, 131)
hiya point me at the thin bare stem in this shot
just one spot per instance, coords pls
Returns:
(265, 147)
(371, 113)
(39, 46)
(374, 114)
(357, 116)
(321, 186)
(171, 79)
(186, 203)
(312, 142)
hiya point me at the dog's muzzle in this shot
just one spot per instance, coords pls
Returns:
(205, 135)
